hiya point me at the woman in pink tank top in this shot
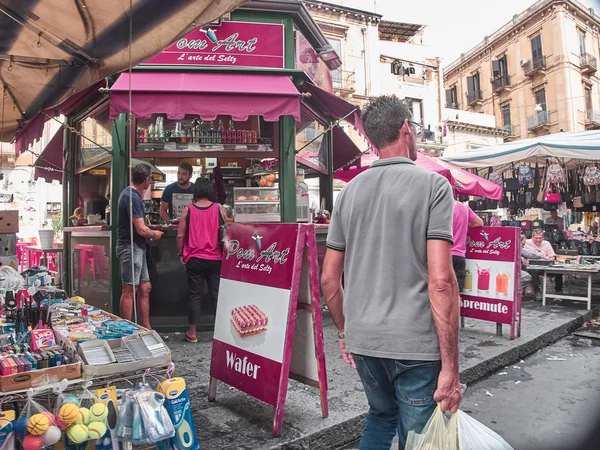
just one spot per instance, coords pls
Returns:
(198, 243)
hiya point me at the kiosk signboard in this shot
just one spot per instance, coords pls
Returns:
(492, 288)
(269, 286)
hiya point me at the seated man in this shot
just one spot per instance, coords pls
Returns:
(541, 249)
(525, 256)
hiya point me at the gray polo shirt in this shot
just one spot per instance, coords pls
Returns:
(382, 220)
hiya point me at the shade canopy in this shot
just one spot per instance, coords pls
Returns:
(49, 165)
(52, 49)
(465, 183)
(579, 145)
(207, 95)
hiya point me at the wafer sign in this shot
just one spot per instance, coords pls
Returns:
(269, 291)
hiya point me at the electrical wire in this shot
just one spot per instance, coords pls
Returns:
(129, 130)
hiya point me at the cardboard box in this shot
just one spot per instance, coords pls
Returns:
(9, 221)
(8, 244)
(39, 377)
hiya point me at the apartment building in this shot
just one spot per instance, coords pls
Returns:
(537, 75)
(383, 57)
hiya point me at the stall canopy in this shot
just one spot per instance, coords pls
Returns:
(465, 183)
(49, 165)
(206, 95)
(52, 49)
(579, 145)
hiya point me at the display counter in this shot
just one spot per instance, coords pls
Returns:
(89, 253)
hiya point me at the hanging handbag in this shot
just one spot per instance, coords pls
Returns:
(521, 199)
(540, 192)
(588, 196)
(525, 176)
(552, 197)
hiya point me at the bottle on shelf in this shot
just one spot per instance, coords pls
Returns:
(231, 133)
(254, 137)
(151, 133)
(212, 133)
(202, 136)
(238, 137)
(220, 132)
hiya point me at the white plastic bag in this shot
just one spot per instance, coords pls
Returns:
(434, 436)
(461, 432)
(473, 435)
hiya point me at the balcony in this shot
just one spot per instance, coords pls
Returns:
(509, 129)
(538, 120)
(592, 120)
(535, 66)
(588, 63)
(474, 98)
(500, 84)
(453, 105)
(343, 80)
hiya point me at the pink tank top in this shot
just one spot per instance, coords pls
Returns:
(202, 233)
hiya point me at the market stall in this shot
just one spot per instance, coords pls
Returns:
(68, 369)
(246, 102)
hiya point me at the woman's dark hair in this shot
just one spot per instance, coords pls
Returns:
(203, 189)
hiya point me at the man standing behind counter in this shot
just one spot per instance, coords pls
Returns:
(177, 196)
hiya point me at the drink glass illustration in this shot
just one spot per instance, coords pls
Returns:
(468, 287)
(502, 285)
(483, 280)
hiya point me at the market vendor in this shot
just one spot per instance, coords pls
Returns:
(178, 195)
(555, 220)
(539, 248)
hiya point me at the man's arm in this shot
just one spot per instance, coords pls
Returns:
(164, 214)
(444, 300)
(144, 231)
(474, 220)
(331, 281)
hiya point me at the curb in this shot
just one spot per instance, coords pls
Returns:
(351, 429)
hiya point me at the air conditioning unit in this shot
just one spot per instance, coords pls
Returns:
(524, 61)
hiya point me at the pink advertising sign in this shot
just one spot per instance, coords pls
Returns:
(492, 289)
(238, 44)
(308, 60)
(265, 267)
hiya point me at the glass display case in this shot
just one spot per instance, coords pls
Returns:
(256, 204)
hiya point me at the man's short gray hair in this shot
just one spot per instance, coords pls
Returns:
(538, 231)
(382, 119)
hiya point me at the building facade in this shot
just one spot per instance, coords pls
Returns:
(537, 75)
(383, 57)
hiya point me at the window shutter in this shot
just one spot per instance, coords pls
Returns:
(449, 100)
(471, 86)
(496, 69)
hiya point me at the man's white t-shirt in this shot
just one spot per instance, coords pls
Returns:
(544, 250)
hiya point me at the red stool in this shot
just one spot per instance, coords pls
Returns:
(88, 256)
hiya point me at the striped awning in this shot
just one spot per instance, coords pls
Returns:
(52, 49)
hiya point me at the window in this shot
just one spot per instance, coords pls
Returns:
(536, 48)
(336, 75)
(500, 68)
(581, 42)
(540, 98)
(506, 115)
(416, 107)
(473, 88)
(588, 99)
(451, 98)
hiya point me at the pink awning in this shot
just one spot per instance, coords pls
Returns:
(207, 95)
(465, 183)
(49, 165)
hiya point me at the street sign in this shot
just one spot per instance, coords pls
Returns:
(268, 325)
(492, 289)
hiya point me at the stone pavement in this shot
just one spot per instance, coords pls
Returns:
(237, 421)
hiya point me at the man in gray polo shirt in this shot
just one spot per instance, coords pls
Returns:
(397, 315)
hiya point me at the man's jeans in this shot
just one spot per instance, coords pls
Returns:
(400, 395)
